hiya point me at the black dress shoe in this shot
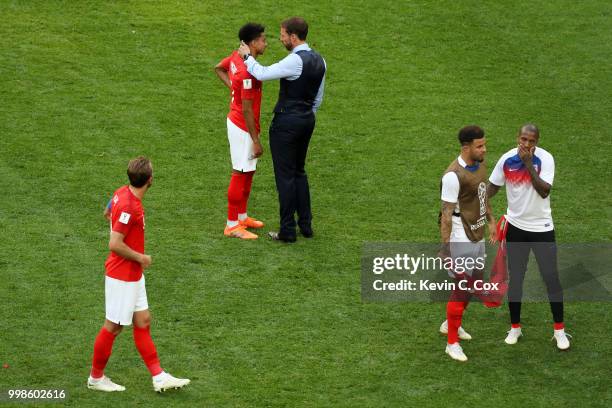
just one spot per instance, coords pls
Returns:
(306, 233)
(275, 236)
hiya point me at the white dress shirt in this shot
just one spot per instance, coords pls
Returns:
(289, 68)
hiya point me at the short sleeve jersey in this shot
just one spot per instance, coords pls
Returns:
(527, 210)
(244, 86)
(127, 218)
(450, 186)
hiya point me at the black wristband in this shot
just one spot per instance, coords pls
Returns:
(246, 57)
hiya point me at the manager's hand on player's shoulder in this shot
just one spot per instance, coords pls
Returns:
(243, 49)
(145, 261)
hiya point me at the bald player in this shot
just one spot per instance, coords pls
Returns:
(528, 172)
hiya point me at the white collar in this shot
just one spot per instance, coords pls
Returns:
(301, 47)
(462, 162)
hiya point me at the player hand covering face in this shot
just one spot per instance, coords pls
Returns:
(243, 130)
(528, 173)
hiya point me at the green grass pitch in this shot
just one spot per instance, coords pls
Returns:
(87, 85)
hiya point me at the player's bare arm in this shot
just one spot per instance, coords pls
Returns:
(249, 119)
(446, 225)
(223, 75)
(119, 247)
(492, 189)
(492, 223)
(526, 155)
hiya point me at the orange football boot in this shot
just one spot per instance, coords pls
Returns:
(238, 231)
(251, 223)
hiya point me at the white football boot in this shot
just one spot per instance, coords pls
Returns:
(562, 339)
(456, 352)
(165, 381)
(513, 335)
(103, 384)
(463, 335)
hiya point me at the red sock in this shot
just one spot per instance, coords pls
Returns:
(103, 347)
(516, 325)
(146, 348)
(234, 196)
(454, 311)
(246, 191)
(559, 326)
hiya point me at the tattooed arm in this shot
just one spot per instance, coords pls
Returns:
(446, 224)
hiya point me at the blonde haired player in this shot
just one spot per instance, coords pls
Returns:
(125, 292)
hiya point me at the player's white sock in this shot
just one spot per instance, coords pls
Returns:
(242, 217)
(95, 380)
(160, 377)
(232, 223)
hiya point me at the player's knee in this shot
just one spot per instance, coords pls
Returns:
(113, 328)
(143, 321)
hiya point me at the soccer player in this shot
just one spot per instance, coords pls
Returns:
(243, 130)
(463, 217)
(125, 292)
(528, 172)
